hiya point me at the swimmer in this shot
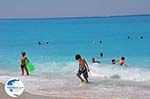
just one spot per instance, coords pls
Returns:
(39, 43)
(94, 61)
(100, 42)
(141, 37)
(101, 55)
(128, 37)
(46, 42)
(113, 61)
(122, 62)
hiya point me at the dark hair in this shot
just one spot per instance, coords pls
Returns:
(122, 58)
(77, 57)
(101, 54)
(113, 60)
(93, 60)
(23, 53)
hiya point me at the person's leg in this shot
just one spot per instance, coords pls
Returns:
(85, 74)
(22, 69)
(80, 78)
(78, 75)
(26, 70)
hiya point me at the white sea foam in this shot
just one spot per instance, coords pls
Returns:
(134, 73)
(120, 72)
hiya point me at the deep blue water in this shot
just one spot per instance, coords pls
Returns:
(68, 37)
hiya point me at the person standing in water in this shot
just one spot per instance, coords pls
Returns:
(23, 63)
(83, 68)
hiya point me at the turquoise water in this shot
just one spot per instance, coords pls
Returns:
(68, 37)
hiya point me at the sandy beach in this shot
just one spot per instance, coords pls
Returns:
(25, 95)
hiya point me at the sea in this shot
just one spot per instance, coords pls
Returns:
(62, 38)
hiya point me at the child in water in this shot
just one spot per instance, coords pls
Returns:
(23, 63)
(122, 62)
(83, 68)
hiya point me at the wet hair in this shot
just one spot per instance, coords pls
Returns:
(113, 60)
(101, 54)
(77, 57)
(122, 58)
(93, 60)
(39, 43)
(128, 37)
(23, 53)
(141, 37)
(100, 42)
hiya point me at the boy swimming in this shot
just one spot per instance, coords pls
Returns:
(23, 63)
(83, 68)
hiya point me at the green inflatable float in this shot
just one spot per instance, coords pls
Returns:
(30, 66)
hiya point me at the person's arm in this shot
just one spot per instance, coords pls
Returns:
(27, 59)
(86, 65)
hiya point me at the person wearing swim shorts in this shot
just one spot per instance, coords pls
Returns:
(83, 68)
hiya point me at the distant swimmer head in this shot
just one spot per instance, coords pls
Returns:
(101, 54)
(141, 37)
(122, 58)
(77, 57)
(93, 60)
(23, 53)
(128, 37)
(100, 41)
(46, 42)
(113, 61)
(39, 43)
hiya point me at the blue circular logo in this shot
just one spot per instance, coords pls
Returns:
(14, 87)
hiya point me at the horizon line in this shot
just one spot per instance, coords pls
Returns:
(80, 17)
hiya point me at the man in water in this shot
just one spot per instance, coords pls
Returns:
(83, 68)
(23, 63)
(94, 61)
(122, 62)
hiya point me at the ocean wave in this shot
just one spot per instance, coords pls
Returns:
(64, 69)
(133, 73)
